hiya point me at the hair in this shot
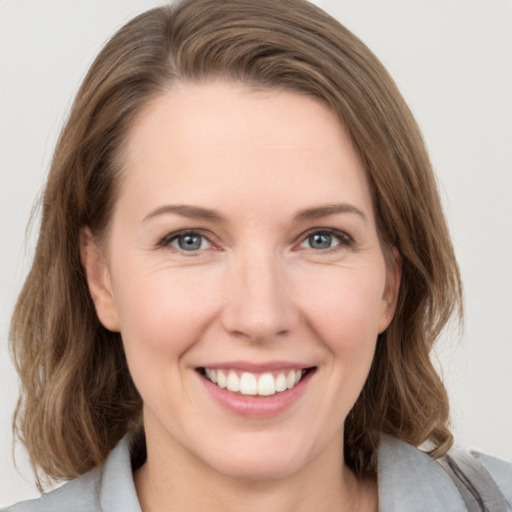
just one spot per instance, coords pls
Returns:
(77, 397)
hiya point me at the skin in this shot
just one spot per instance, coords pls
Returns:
(257, 290)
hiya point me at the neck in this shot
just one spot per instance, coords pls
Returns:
(170, 480)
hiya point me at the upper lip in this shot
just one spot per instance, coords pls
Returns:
(251, 367)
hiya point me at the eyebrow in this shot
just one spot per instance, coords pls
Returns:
(192, 212)
(320, 212)
(196, 212)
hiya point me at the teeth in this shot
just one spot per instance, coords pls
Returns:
(281, 383)
(233, 382)
(266, 385)
(250, 384)
(221, 378)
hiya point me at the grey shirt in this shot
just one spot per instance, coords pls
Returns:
(408, 481)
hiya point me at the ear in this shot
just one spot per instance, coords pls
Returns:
(98, 280)
(390, 295)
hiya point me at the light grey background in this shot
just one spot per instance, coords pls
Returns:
(452, 60)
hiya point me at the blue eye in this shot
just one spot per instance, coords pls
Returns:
(320, 241)
(189, 242)
(324, 240)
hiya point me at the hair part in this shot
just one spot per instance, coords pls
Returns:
(77, 397)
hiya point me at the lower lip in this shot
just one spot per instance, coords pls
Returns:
(254, 406)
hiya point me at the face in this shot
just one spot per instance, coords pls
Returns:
(243, 269)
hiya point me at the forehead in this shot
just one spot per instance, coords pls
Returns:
(199, 142)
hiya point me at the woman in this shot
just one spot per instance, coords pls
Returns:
(242, 267)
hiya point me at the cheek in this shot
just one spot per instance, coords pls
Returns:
(345, 307)
(344, 316)
(164, 312)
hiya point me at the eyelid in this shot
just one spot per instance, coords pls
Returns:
(165, 242)
(345, 239)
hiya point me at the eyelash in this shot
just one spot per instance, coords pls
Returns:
(345, 240)
(165, 243)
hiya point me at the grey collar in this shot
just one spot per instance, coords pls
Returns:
(117, 491)
(411, 481)
(408, 481)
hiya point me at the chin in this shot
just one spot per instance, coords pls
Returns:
(257, 470)
(253, 462)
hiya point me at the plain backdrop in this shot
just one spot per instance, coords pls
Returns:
(452, 60)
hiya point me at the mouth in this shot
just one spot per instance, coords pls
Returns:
(263, 384)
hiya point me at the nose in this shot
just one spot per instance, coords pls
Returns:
(257, 298)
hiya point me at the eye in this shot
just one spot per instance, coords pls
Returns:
(189, 241)
(322, 240)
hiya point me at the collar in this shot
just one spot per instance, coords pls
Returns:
(117, 489)
(409, 480)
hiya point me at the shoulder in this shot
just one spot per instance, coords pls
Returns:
(107, 488)
(410, 480)
(81, 494)
(500, 471)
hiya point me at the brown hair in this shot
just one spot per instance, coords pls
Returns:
(77, 397)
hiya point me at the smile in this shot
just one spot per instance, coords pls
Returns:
(247, 383)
